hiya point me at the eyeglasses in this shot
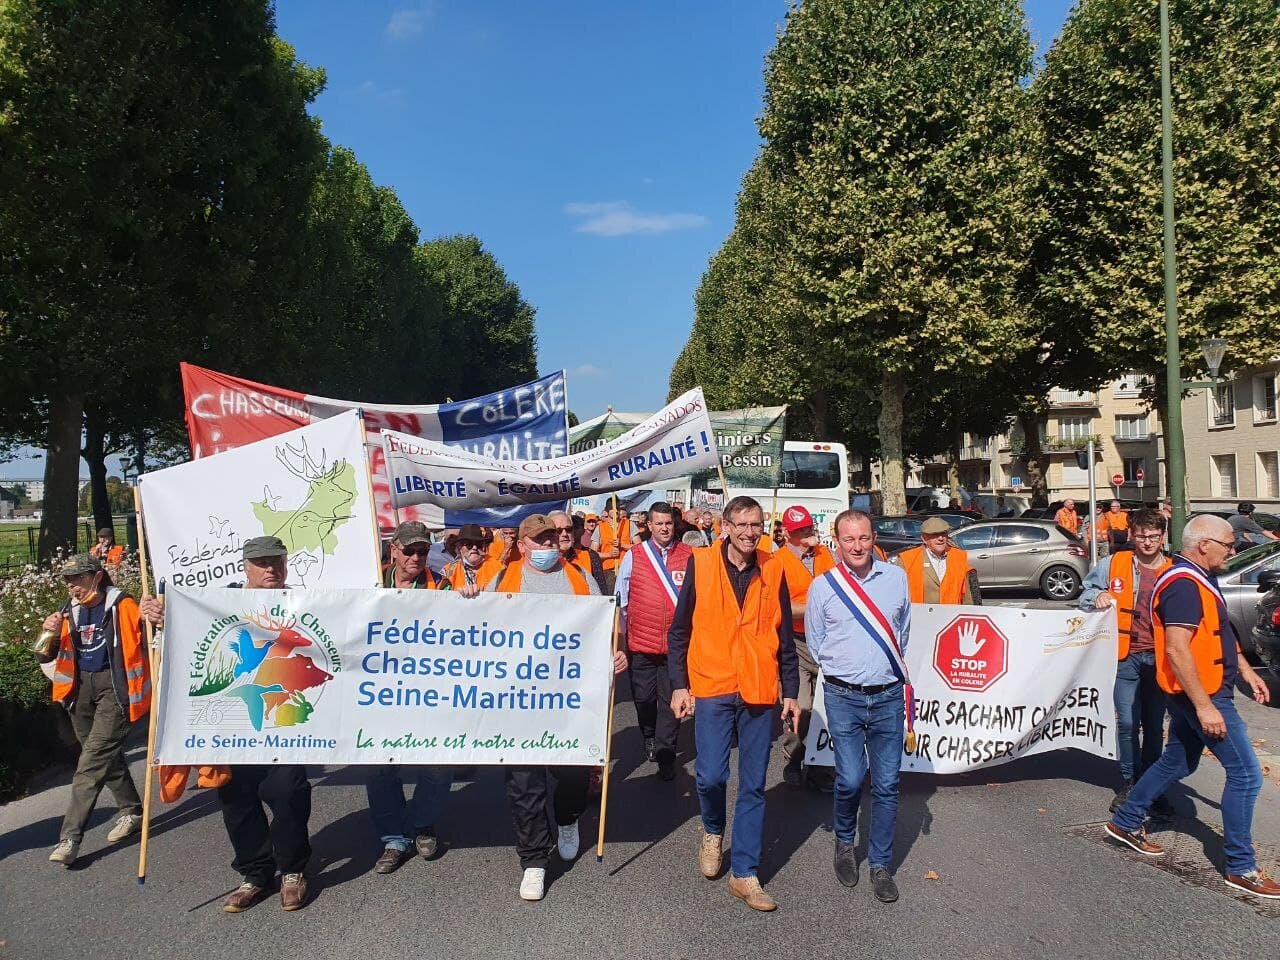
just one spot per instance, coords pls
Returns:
(1224, 543)
(1148, 536)
(746, 525)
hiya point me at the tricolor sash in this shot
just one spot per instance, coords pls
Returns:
(668, 582)
(872, 619)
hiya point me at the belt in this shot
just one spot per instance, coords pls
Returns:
(860, 688)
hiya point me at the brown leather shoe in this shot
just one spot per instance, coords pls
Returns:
(390, 860)
(243, 897)
(1134, 841)
(749, 891)
(711, 855)
(1256, 883)
(293, 891)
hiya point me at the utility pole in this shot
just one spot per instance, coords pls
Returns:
(1175, 456)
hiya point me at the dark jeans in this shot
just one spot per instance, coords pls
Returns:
(101, 726)
(651, 692)
(261, 848)
(1139, 711)
(396, 821)
(527, 792)
(1181, 756)
(866, 731)
(714, 725)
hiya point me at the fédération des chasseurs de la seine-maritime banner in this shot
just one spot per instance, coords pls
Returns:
(674, 442)
(309, 487)
(344, 676)
(994, 683)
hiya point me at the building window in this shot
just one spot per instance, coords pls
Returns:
(1269, 474)
(1132, 428)
(1222, 471)
(1132, 384)
(1222, 405)
(1131, 467)
(1264, 398)
(1074, 428)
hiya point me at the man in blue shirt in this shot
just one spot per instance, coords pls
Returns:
(857, 620)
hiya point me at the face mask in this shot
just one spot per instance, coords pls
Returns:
(544, 559)
(89, 599)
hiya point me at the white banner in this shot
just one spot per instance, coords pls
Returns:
(309, 487)
(996, 683)
(341, 676)
(674, 442)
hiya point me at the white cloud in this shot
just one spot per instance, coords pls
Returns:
(408, 23)
(617, 218)
(371, 89)
(588, 370)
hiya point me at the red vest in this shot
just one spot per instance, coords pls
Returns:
(649, 611)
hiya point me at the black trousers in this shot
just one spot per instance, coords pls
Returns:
(651, 693)
(261, 848)
(527, 792)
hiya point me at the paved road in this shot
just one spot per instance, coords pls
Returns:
(1020, 874)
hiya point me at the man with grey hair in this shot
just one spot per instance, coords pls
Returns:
(1198, 661)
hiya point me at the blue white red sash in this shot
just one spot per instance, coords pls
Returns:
(664, 575)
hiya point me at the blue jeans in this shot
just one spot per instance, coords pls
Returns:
(1139, 709)
(713, 727)
(396, 821)
(1181, 757)
(866, 731)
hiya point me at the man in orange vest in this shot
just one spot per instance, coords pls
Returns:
(802, 558)
(408, 570)
(106, 549)
(569, 550)
(937, 571)
(101, 676)
(1066, 517)
(500, 545)
(1126, 581)
(1115, 524)
(541, 569)
(649, 583)
(1198, 661)
(472, 570)
(731, 646)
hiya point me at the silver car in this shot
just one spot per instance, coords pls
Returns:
(1034, 554)
(1239, 585)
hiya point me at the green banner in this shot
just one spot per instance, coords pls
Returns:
(750, 445)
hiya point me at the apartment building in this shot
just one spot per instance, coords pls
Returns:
(1232, 440)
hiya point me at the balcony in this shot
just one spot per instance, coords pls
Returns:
(1131, 438)
(1067, 444)
(976, 452)
(1073, 398)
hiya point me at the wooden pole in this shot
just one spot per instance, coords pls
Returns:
(154, 656)
(373, 506)
(608, 745)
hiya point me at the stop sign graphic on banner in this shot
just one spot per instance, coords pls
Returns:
(971, 653)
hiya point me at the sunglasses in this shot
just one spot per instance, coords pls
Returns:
(415, 551)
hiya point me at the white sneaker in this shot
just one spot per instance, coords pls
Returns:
(531, 885)
(127, 825)
(65, 852)
(567, 842)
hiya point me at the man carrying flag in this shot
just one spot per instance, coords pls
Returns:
(857, 621)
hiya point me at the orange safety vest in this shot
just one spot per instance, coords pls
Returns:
(1067, 519)
(1121, 586)
(114, 556)
(799, 579)
(880, 554)
(389, 578)
(954, 577)
(456, 574)
(510, 582)
(582, 560)
(766, 544)
(497, 547)
(1206, 641)
(129, 658)
(611, 536)
(734, 649)
(1114, 524)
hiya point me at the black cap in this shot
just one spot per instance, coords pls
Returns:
(472, 533)
(264, 548)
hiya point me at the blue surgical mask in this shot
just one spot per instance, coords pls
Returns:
(544, 559)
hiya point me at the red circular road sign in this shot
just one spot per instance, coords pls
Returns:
(971, 653)
(1117, 479)
(1139, 475)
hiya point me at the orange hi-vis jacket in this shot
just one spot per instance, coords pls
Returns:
(766, 544)
(1207, 642)
(1123, 586)
(1067, 519)
(611, 536)
(582, 560)
(455, 573)
(954, 577)
(1113, 521)
(129, 659)
(799, 579)
(510, 580)
(732, 649)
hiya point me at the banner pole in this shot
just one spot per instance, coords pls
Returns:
(608, 745)
(724, 487)
(373, 506)
(153, 653)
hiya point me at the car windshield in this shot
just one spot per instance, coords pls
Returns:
(1252, 555)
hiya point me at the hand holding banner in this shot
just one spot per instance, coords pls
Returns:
(674, 442)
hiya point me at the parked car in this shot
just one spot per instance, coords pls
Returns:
(1265, 636)
(1034, 554)
(1239, 586)
(898, 533)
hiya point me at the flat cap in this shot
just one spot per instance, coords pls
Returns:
(263, 548)
(935, 525)
(80, 563)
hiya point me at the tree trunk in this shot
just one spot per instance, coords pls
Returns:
(892, 476)
(1037, 461)
(61, 475)
(95, 454)
(820, 408)
(139, 452)
(953, 469)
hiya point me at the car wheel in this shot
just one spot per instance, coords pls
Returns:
(1060, 583)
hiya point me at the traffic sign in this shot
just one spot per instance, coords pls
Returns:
(971, 653)
(1139, 475)
(1117, 479)
(1015, 482)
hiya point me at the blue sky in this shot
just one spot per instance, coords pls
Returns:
(596, 148)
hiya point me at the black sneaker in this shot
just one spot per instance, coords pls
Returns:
(793, 774)
(846, 864)
(1121, 796)
(667, 768)
(882, 883)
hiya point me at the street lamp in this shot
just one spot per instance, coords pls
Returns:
(1213, 349)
